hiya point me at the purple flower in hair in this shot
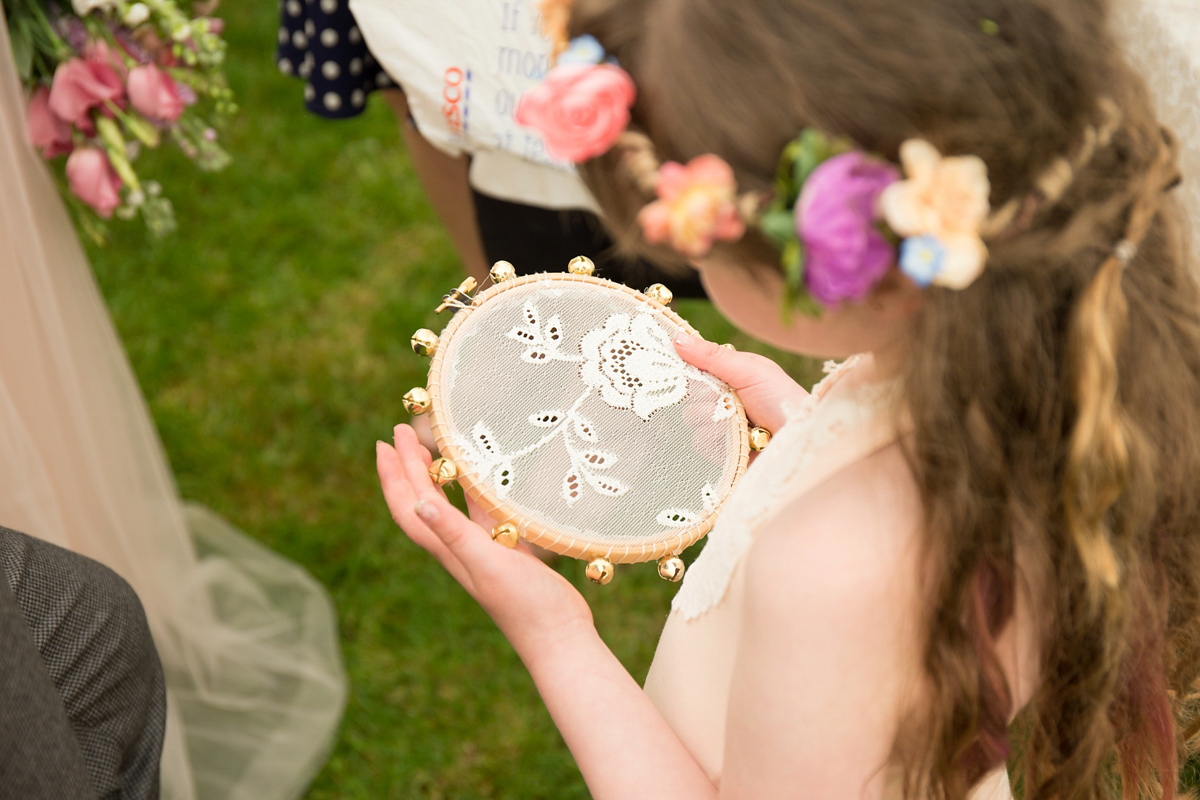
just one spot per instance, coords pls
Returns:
(837, 220)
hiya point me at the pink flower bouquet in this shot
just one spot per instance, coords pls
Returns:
(107, 78)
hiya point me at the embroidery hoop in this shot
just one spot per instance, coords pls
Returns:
(604, 550)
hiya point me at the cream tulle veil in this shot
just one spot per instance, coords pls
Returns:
(248, 640)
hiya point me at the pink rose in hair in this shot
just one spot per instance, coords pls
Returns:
(697, 205)
(79, 86)
(154, 93)
(580, 110)
(47, 132)
(837, 220)
(93, 180)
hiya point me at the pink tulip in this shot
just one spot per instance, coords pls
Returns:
(47, 132)
(99, 51)
(79, 86)
(154, 93)
(93, 180)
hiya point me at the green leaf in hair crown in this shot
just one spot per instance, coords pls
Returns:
(799, 159)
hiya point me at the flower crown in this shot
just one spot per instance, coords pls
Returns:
(841, 217)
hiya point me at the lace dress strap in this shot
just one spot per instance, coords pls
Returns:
(825, 432)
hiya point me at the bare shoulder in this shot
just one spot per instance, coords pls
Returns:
(829, 652)
(854, 536)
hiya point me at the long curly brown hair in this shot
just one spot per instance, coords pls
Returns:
(1055, 403)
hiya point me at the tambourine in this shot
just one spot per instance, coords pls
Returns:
(559, 404)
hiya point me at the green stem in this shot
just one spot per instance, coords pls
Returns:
(62, 50)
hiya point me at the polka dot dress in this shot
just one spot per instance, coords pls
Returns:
(320, 43)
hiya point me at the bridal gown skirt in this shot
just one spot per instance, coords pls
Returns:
(248, 640)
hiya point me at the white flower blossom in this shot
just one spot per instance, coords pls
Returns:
(137, 14)
(85, 7)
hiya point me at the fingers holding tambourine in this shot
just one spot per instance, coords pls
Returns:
(761, 384)
(452, 529)
(455, 536)
(401, 496)
(524, 596)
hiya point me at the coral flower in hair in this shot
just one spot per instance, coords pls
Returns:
(697, 205)
(944, 203)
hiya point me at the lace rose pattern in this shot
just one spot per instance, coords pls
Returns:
(632, 365)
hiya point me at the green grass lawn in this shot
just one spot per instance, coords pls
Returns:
(270, 336)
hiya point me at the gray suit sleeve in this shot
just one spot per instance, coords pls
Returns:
(39, 756)
(90, 631)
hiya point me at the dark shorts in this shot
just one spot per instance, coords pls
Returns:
(320, 43)
(537, 239)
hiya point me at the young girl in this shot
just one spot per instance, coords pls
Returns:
(994, 512)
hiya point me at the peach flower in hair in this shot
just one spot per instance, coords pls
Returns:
(697, 205)
(944, 202)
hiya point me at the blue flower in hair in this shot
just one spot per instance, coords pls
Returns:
(584, 50)
(922, 258)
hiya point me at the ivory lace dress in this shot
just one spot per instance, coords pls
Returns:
(690, 678)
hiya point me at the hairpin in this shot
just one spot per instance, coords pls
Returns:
(555, 16)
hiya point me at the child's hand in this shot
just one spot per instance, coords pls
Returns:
(532, 604)
(761, 384)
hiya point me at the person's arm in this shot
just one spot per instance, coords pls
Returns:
(623, 746)
(621, 743)
(96, 647)
(830, 648)
(444, 179)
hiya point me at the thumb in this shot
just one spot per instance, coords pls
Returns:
(741, 371)
(761, 384)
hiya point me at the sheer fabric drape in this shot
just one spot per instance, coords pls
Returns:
(248, 639)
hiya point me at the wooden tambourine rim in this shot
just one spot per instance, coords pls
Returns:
(532, 531)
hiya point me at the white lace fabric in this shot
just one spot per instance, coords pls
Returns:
(567, 402)
(813, 425)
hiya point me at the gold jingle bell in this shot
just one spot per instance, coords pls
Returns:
(424, 342)
(502, 271)
(659, 294)
(581, 265)
(442, 471)
(506, 534)
(417, 401)
(600, 571)
(670, 568)
(759, 439)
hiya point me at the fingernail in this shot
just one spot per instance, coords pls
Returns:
(425, 510)
(683, 340)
